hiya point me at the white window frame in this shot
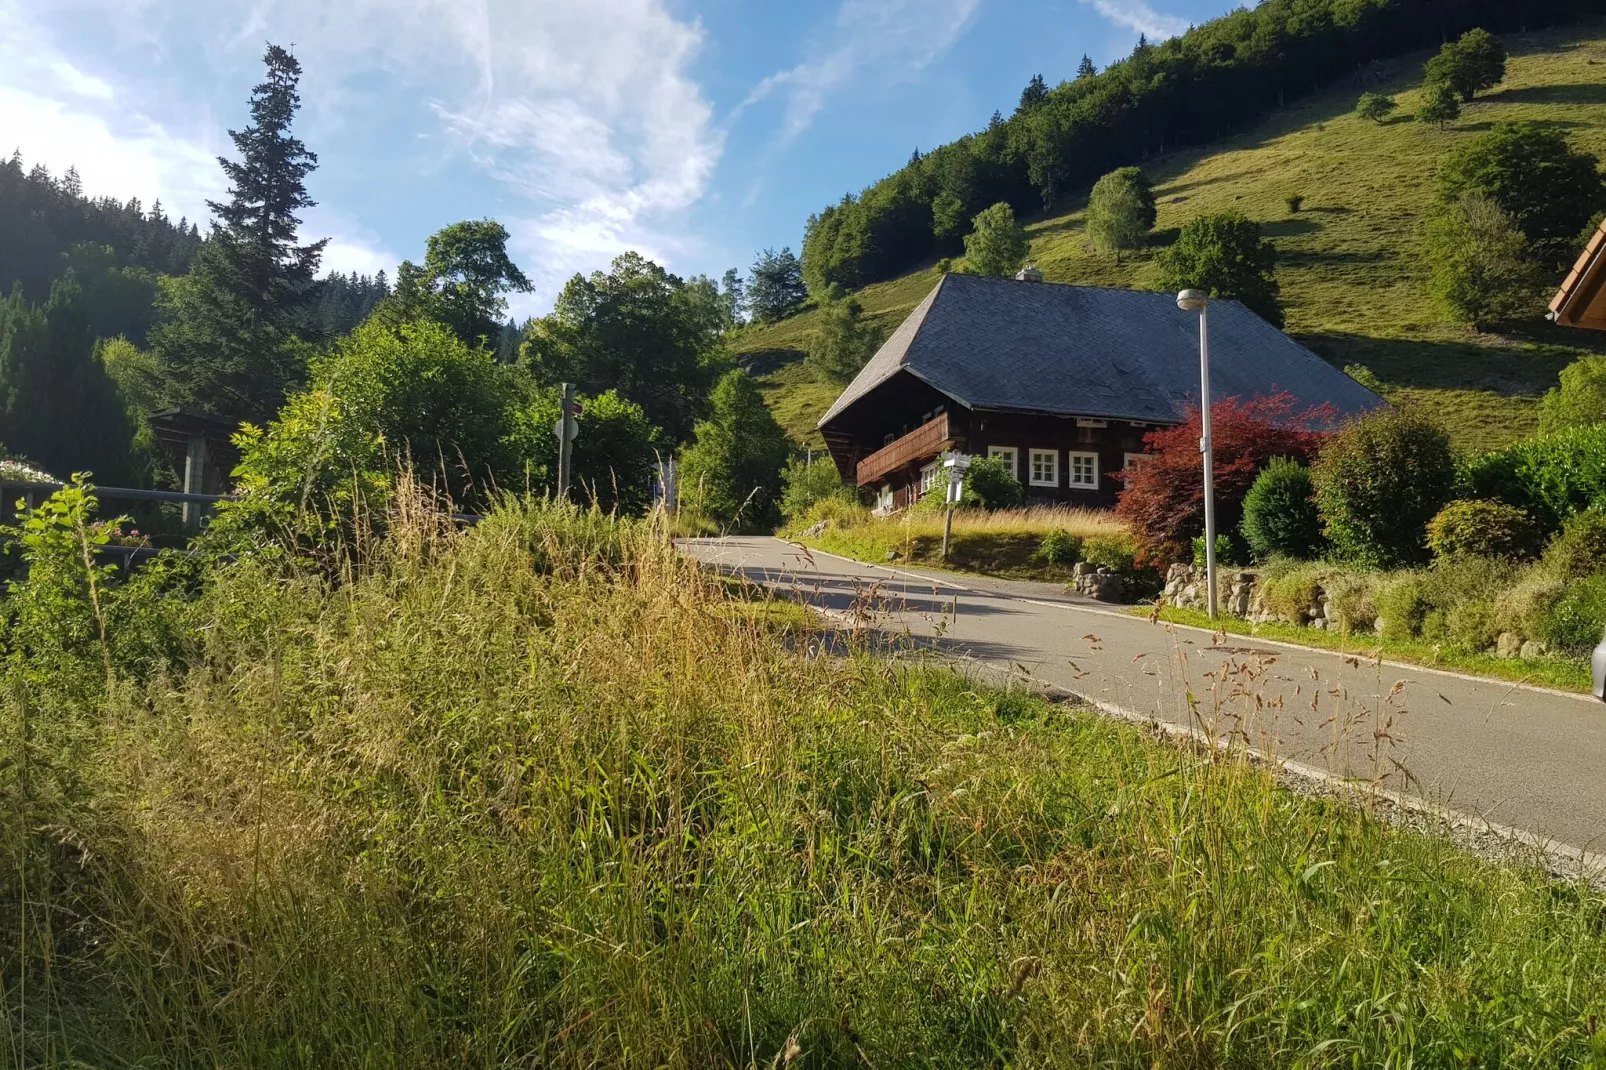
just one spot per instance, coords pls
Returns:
(1012, 452)
(1054, 467)
(1088, 421)
(1070, 470)
(1133, 461)
(928, 480)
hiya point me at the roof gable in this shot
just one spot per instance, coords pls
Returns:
(1091, 351)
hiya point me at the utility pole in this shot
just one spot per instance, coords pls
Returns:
(566, 431)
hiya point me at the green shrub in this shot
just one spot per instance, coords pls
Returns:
(1280, 512)
(1475, 528)
(1378, 482)
(1402, 605)
(1287, 593)
(1579, 549)
(991, 484)
(1060, 547)
(1352, 599)
(1523, 607)
(803, 485)
(1114, 552)
(1228, 552)
(1552, 476)
(1579, 400)
(1294, 201)
(1575, 620)
(1458, 598)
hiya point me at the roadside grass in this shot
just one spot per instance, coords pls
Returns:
(1353, 280)
(535, 794)
(1562, 673)
(1001, 542)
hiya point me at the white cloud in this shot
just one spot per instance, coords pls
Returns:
(584, 111)
(898, 37)
(1139, 17)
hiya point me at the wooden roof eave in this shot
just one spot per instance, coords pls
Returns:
(1579, 302)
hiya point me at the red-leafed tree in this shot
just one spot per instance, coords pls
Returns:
(1163, 500)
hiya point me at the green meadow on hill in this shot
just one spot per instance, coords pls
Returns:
(1353, 279)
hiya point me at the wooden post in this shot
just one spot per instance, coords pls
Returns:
(947, 528)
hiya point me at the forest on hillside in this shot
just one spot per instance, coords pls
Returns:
(1212, 80)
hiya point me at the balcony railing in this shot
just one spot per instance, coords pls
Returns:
(921, 444)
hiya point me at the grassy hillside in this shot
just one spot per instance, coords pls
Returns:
(1352, 276)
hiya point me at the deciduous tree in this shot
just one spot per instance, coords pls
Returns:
(996, 244)
(732, 473)
(841, 340)
(1482, 268)
(1536, 175)
(462, 283)
(1120, 212)
(1375, 107)
(1225, 256)
(1476, 61)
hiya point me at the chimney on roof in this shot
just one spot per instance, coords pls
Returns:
(1029, 273)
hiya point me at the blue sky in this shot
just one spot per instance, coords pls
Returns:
(696, 131)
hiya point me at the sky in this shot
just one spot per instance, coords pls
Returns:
(694, 131)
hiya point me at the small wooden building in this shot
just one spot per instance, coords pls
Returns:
(1061, 382)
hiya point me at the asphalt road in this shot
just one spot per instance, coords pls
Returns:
(1523, 757)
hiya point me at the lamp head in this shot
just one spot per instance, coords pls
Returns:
(1192, 300)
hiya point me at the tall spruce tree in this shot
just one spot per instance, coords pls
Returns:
(227, 339)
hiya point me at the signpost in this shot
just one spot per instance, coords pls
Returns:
(567, 429)
(957, 465)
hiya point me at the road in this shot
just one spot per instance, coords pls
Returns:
(1524, 757)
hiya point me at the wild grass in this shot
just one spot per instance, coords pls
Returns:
(533, 794)
(1352, 275)
(999, 542)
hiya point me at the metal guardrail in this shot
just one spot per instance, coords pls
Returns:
(31, 490)
(124, 493)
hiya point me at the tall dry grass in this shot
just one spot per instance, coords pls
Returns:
(532, 795)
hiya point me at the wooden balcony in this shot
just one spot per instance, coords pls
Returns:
(921, 444)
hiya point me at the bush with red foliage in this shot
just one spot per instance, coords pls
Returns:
(1163, 501)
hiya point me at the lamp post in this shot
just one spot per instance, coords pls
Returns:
(1188, 300)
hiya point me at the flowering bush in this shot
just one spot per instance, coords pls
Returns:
(1163, 501)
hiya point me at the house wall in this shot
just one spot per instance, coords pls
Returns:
(1062, 437)
(979, 433)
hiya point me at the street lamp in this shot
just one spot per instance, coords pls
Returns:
(1188, 300)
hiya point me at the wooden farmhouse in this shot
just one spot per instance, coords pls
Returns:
(1060, 382)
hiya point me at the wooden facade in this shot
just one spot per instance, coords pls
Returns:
(1057, 459)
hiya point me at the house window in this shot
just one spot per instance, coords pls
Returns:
(1134, 461)
(885, 500)
(889, 440)
(1084, 470)
(1045, 468)
(1007, 454)
(1083, 421)
(928, 479)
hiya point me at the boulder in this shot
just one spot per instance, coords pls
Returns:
(1508, 645)
(1533, 648)
(893, 555)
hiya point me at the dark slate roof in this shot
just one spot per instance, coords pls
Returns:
(1090, 351)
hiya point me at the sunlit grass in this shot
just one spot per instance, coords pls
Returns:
(540, 794)
(1354, 283)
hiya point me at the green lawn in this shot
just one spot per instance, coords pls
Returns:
(1352, 278)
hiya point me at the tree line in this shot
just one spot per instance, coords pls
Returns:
(1217, 77)
(338, 382)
